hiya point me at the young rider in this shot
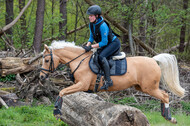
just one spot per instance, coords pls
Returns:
(105, 39)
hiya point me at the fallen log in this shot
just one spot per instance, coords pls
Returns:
(10, 99)
(86, 109)
(14, 65)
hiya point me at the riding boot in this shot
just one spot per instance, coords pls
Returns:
(108, 82)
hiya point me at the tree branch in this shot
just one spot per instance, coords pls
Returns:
(3, 103)
(15, 20)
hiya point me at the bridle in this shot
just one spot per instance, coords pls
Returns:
(52, 68)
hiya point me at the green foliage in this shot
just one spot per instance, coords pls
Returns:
(29, 116)
(167, 17)
(186, 106)
(7, 78)
(184, 55)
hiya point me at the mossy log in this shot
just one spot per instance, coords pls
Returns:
(14, 65)
(84, 109)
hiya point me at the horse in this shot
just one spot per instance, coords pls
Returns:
(144, 73)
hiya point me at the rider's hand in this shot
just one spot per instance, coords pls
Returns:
(87, 48)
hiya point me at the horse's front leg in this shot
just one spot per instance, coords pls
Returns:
(80, 86)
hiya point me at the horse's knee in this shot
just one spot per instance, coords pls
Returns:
(137, 87)
(84, 87)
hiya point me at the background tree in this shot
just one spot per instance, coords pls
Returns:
(142, 25)
(39, 25)
(8, 19)
(183, 27)
(62, 24)
(152, 24)
(23, 23)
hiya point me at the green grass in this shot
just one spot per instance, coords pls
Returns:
(155, 119)
(29, 116)
(43, 115)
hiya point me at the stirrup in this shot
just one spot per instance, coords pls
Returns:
(106, 85)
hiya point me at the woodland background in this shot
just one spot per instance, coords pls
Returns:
(159, 24)
(146, 27)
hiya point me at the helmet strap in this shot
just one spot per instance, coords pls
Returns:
(96, 19)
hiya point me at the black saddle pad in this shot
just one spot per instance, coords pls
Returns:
(117, 67)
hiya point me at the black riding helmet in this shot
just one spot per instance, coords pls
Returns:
(94, 10)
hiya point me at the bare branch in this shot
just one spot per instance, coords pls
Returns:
(15, 20)
(3, 103)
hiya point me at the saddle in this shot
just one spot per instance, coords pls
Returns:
(117, 63)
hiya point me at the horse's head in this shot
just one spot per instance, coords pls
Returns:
(49, 63)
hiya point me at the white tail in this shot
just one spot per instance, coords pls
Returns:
(170, 73)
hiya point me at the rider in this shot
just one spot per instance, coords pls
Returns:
(106, 40)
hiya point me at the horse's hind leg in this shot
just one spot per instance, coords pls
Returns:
(165, 109)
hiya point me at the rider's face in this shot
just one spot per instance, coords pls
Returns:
(92, 18)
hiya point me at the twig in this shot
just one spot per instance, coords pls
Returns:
(26, 53)
(35, 58)
(19, 79)
(8, 43)
(135, 99)
(3, 103)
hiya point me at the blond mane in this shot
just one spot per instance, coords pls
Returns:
(61, 44)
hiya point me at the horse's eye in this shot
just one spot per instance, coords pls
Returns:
(46, 61)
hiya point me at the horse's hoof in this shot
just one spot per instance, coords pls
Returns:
(57, 113)
(173, 120)
(104, 87)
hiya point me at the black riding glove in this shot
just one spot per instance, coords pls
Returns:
(87, 48)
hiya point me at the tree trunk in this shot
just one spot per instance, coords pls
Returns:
(39, 25)
(9, 18)
(183, 27)
(62, 24)
(86, 109)
(142, 28)
(76, 21)
(152, 21)
(23, 23)
(125, 37)
(52, 13)
(125, 24)
(131, 38)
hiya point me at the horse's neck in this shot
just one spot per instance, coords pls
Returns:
(68, 53)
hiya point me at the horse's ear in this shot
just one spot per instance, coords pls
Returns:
(46, 48)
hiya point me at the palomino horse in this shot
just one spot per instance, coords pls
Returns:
(143, 73)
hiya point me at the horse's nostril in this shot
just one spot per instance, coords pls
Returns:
(41, 77)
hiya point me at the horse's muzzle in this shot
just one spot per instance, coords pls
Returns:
(43, 77)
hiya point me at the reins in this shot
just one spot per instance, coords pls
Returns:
(52, 68)
(75, 58)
